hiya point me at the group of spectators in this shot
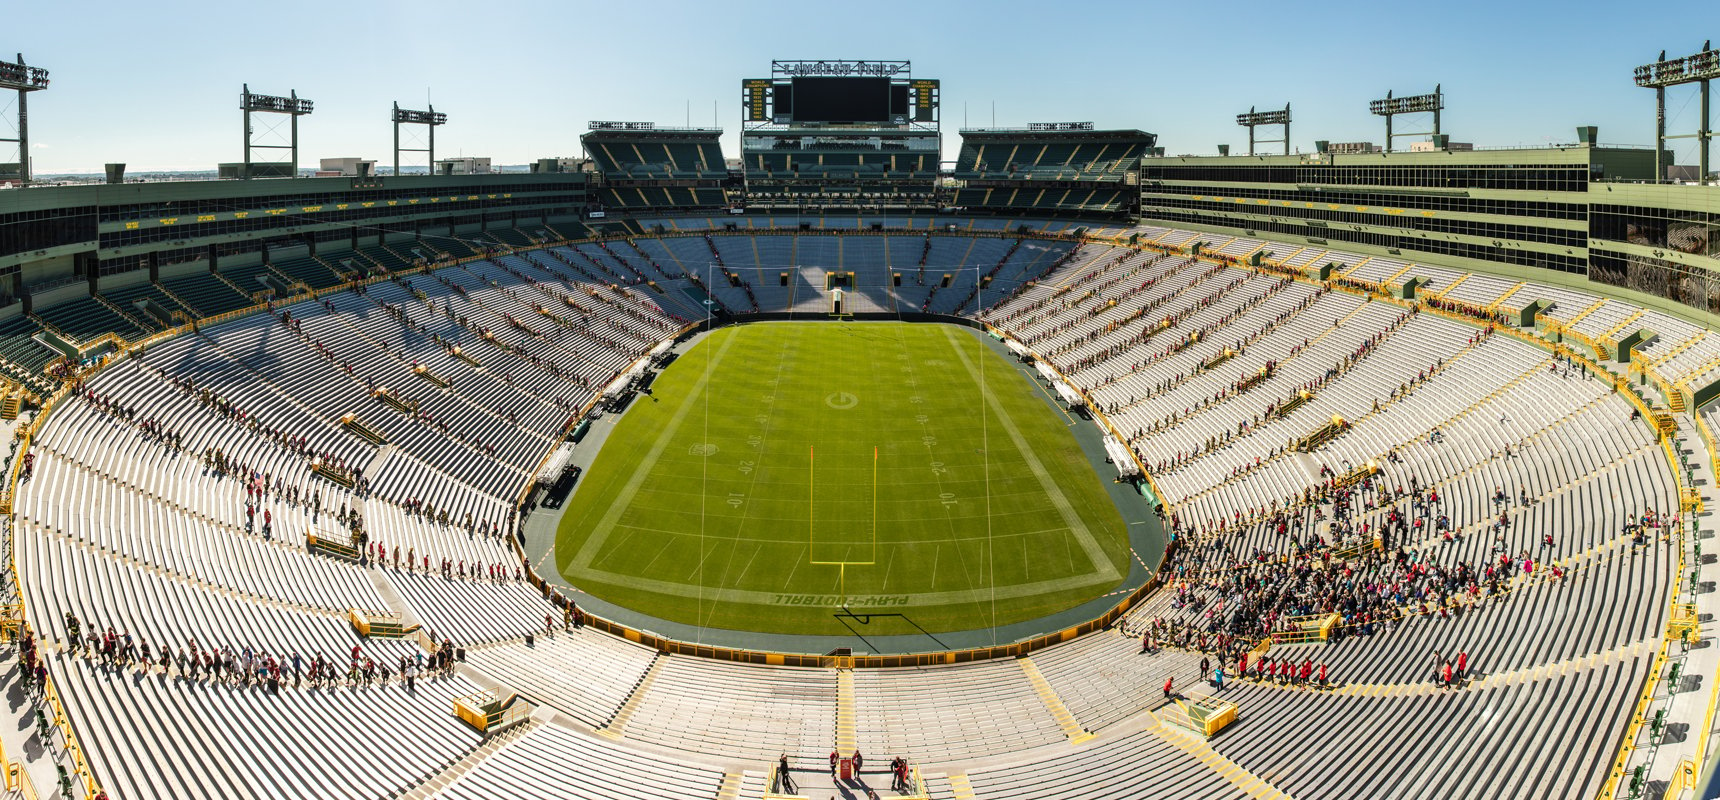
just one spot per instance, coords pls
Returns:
(246, 666)
(1045, 301)
(259, 483)
(1058, 302)
(1469, 310)
(1147, 328)
(1359, 550)
(1218, 441)
(419, 414)
(1239, 347)
(1205, 332)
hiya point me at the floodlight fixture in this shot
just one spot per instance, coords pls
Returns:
(430, 118)
(1253, 119)
(22, 78)
(1700, 69)
(290, 105)
(1390, 107)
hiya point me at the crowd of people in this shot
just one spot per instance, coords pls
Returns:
(1018, 318)
(245, 666)
(1057, 304)
(1355, 358)
(1138, 315)
(1470, 310)
(1170, 383)
(467, 436)
(1366, 551)
(263, 488)
(259, 483)
(1183, 341)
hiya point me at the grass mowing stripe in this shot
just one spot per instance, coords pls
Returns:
(620, 506)
(1095, 553)
(842, 389)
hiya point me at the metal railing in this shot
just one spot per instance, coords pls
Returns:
(664, 644)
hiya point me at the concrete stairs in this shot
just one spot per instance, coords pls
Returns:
(1245, 781)
(845, 736)
(448, 776)
(1065, 719)
(618, 724)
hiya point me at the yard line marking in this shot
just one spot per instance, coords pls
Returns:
(913, 599)
(699, 568)
(659, 554)
(624, 500)
(798, 560)
(748, 567)
(774, 385)
(1101, 565)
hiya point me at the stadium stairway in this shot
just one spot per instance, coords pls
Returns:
(724, 710)
(1559, 654)
(21, 724)
(466, 763)
(584, 674)
(1675, 757)
(555, 761)
(1053, 704)
(616, 726)
(1249, 783)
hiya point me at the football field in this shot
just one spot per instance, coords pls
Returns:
(783, 475)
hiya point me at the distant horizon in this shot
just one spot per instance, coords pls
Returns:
(514, 93)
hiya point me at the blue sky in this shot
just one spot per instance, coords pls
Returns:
(156, 85)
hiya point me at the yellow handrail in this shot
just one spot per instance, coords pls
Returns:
(77, 750)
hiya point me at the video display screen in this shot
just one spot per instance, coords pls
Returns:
(840, 100)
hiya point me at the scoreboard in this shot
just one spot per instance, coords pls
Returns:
(757, 99)
(872, 100)
(816, 93)
(925, 100)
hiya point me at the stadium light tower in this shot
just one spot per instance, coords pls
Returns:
(291, 105)
(429, 119)
(1699, 69)
(1414, 104)
(22, 79)
(1252, 119)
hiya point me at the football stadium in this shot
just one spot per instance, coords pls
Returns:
(1054, 464)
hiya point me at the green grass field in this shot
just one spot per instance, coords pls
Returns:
(772, 453)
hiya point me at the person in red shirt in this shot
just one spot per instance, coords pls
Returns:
(1462, 665)
(1168, 682)
(833, 759)
(1445, 675)
(1322, 676)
